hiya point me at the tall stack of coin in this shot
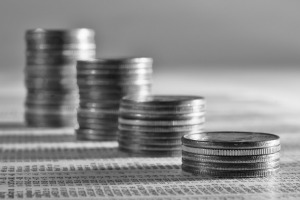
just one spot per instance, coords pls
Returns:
(102, 83)
(50, 74)
(154, 125)
(231, 154)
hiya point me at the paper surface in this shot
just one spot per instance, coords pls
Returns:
(51, 164)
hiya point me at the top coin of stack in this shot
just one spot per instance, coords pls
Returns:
(154, 125)
(50, 72)
(231, 154)
(102, 83)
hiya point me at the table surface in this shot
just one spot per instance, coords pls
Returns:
(40, 163)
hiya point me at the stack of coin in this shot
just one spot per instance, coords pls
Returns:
(154, 125)
(50, 74)
(102, 83)
(231, 154)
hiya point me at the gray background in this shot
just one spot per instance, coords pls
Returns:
(197, 45)
(174, 32)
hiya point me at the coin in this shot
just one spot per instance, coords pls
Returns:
(143, 153)
(119, 72)
(167, 100)
(149, 141)
(167, 123)
(232, 152)
(144, 147)
(119, 63)
(60, 39)
(231, 166)
(160, 109)
(231, 174)
(230, 159)
(160, 116)
(198, 127)
(231, 140)
(95, 133)
(154, 135)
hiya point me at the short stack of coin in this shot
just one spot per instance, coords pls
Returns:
(231, 154)
(154, 125)
(50, 74)
(102, 83)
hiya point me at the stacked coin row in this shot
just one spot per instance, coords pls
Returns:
(102, 83)
(154, 125)
(231, 154)
(50, 74)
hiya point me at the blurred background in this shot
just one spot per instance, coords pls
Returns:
(198, 46)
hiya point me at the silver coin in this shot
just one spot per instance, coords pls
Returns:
(50, 112)
(51, 96)
(155, 135)
(231, 166)
(112, 82)
(232, 152)
(114, 71)
(91, 105)
(167, 123)
(150, 141)
(168, 110)
(193, 128)
(143, 153)
(96, 111)
(111, 76)
(144, 147)
(41, 83)
(163, 100)
(102, 126)
(98, 116)
(157, 116)
(100, 133)
(231, 174)
(231, 140)
(230, 159)
(56, 57)
(60, 39)
(118, 63)
(131, 89)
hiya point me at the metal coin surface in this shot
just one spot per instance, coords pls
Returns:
(167, 123)
(150, 141)
(164, 100)
(144, 147)
(198, 127)
(154, 135)
(138, 152)
(60, 39)
(118, 63)
(231, 174)
(161, 116)
(230, 159)
(231, 166)
(232, 152)
(231, 140)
